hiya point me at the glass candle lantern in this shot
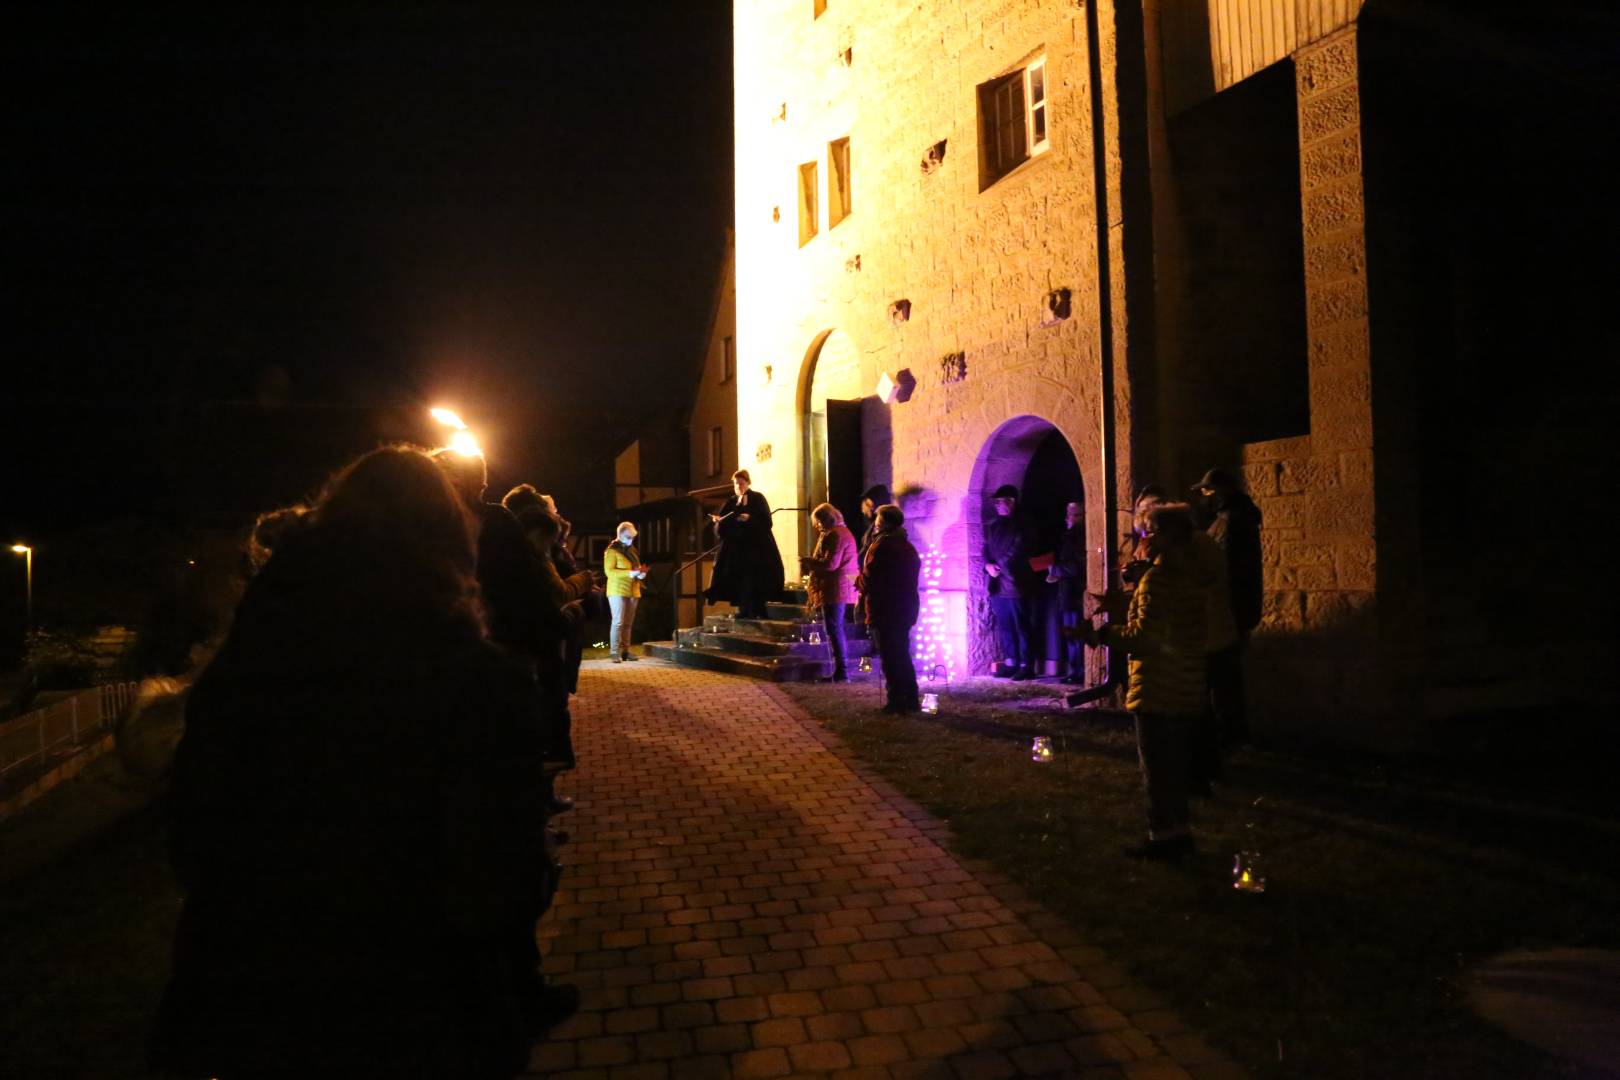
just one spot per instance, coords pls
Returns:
(815, 637)
(866, 665)
(1041, 750)
(930, 703)
(1248, 872)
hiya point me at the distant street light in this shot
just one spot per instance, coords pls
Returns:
(462, 441)
(28, 556)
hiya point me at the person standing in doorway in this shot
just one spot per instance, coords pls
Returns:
(625, 573)
(889, 582)
(1068, 572)
(1008, 541)
(748, 571)
(830, 583)
(875, 496)
(1234, 523)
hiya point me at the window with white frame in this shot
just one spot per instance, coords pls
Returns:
(1013, 121)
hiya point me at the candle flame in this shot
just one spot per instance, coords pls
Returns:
(447, 417)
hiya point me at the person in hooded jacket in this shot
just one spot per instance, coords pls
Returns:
(889, 582)
(352, 810)
(1234, 524)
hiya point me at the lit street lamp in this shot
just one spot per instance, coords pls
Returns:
(28, 556)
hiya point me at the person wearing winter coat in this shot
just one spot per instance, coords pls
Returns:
(353, 809)
(889, 582)
(831, 571)
(625, 573)
(1234, 524)
(1166, 636)
(1009, 541)
(1068, 572)
(748, 571)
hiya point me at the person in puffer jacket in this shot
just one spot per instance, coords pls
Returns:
(1166, 635)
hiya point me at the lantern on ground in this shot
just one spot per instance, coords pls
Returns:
(1040, 750)
(930, 704)
(1248, 872)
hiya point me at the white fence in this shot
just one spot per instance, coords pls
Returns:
(34, 739)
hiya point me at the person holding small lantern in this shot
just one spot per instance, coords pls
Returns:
(1166, 637)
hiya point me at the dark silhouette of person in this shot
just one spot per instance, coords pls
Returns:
(354, 810)
(889, 582)
(1009, 539)
(1233, 523)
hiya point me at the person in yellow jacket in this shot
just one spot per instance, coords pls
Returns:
(625, 573)
(1166, 634)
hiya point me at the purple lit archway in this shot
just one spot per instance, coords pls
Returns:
(1035, 456)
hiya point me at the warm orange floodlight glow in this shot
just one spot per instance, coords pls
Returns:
(447, 418)
(21, 549)
(462, 442)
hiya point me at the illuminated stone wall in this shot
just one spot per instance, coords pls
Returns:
(975, 267)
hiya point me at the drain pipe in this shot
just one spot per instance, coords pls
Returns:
(1105, 306)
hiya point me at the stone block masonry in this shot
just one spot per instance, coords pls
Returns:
(742, 899)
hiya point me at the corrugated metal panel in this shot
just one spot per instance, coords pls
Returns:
(1241, 37)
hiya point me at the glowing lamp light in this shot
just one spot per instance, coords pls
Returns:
(933, 651)
(20, 549)
(448, 418)
(866, 665)
(930, 704)
(462, 442)
(1041, 750)
(1248, 874)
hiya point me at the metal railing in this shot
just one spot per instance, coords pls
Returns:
(31, 740)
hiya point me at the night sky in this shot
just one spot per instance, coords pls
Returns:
(517, 209)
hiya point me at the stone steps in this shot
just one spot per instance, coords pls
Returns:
(776, 649)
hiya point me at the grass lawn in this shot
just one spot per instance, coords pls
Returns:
(1385, 881)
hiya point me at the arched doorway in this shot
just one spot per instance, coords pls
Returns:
(1031, 454)
(834, 408)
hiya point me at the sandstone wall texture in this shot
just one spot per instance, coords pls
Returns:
(977, 333)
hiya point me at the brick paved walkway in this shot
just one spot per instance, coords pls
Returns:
(742, 899)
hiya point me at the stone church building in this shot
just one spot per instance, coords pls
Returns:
(1080, 247)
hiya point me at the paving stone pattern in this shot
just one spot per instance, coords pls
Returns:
(743, 899)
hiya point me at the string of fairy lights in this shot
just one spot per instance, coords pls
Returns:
(933, 651)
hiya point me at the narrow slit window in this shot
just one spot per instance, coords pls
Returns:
(818, 8)
(809, 208)
(715, 450)
(728, 359)
(1035, 95)
(838, 186)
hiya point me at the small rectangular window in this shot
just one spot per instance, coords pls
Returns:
(728, 359)
(838, 203)
(1013, 121)
(809, 208)
(715, 451)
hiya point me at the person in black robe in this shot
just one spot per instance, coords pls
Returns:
(748, 572)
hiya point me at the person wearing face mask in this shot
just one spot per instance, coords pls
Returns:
(748, 571)
(625, 573)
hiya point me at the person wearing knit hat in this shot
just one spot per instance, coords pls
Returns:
(625, 573)
(1009, 540)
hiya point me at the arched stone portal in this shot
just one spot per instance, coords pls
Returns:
(840, 430)
(1034, 456)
